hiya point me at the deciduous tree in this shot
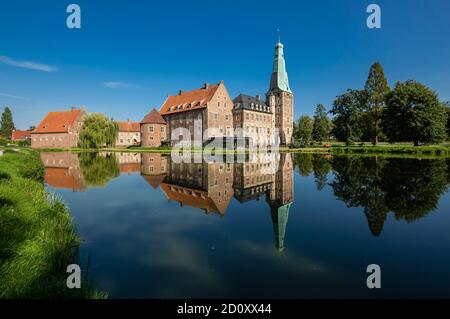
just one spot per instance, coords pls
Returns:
(322, 124)
(414, 113)
(304, 130)
(348, 113)
(98, 131)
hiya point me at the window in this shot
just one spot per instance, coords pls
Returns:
(150, 128)
(121, 140)
(162, 129)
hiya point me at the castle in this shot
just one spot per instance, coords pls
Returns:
(207, 113)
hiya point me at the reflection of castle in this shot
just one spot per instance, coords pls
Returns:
(207, 186)
(62, 170)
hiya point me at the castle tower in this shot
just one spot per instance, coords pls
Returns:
(280, 97)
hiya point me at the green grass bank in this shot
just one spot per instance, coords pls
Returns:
(37, 238)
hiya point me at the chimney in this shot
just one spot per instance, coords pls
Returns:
(258, 98)
(221, 82)
(180, 92)
(205, 86)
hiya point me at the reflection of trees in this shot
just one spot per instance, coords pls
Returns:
(304, 161)
(409, 188)
(322, 167)
(413, 187)
(97, 169)
(358, 183)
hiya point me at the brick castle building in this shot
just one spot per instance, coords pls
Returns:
(58, 130)
(129, 133)
(210, 109)
(206, 113)
(153, 129)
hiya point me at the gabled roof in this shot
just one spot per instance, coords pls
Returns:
(57, 122)
(129, 126)
(187, 101)
(20, 135)
(153, 118)
(61, 178)
(154, 180)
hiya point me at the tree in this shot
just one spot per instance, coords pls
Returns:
(7, 124)
(447, 107)
(322, 124)
(414, 113)
(348, 113)
(98, 131)
(304, 130)
(376, 89)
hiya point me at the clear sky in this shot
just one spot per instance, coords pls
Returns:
(129, 55)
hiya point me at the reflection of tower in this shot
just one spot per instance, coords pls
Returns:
(154, 168)
(281, 198)
(280, 216)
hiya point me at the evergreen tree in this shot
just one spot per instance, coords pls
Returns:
(414, 113)
(7, 124)
(322, 124)
(376, 88)
(348, 114)
(98, 131)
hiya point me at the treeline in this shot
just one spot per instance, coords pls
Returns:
(410, 112)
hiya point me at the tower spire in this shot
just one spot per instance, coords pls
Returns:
(279, 80)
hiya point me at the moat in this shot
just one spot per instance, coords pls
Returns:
(305, 228)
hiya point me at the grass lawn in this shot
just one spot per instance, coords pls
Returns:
(37, 237)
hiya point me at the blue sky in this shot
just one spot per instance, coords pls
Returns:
(129, 55)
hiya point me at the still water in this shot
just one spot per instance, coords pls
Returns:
(305, 228)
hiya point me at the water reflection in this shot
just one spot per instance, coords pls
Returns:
(206, 186)
(409, 188)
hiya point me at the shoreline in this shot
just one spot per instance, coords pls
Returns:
(393, 150)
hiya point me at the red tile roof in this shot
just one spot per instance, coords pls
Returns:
(153, 118)
(18, 135)
(129, 168)
(57, 122)
(154, 180)
(129, 126)
(186, 101)
(61, 178)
